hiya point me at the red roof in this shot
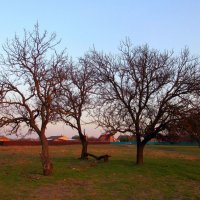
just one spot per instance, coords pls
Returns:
(106, 138)
(3, 138)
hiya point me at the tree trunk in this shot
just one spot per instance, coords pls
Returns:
(139, 156)
(46, 162)
(84, 143)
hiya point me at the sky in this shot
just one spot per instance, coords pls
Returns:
(82, 24)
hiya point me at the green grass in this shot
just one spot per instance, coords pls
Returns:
(169, 172)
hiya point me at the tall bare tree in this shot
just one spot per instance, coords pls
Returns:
(142, 90)
(77, 85)
(29, 85)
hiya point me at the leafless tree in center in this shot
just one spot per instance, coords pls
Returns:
(75, 100)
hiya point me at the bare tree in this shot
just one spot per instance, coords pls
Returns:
(188, 126)
(29, 85)
(192, 128)
(77, 85)
(142, 90)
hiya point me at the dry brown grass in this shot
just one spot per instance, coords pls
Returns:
(170, 154)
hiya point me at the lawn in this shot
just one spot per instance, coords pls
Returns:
(169, 172)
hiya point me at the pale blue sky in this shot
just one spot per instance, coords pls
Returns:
(163, 24)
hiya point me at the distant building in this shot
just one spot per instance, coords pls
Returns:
(57, 138)
(126, 138)
(92, 139)
(106, 138)
(4, 139)
(75, 137)
(154, 140)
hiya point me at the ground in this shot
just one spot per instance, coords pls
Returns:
(169, 172)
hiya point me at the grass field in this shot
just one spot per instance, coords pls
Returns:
(169, 172)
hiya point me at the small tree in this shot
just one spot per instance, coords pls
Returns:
(141, 90)
(29, 85)
(77, 84)
(189, 125)
(76, 137)
(170, 136)
(192, 127)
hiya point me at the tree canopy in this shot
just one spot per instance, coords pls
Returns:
(142, 90)
(29, 67)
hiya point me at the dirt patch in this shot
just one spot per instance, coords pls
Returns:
(170, 154)
(55, 192)
(65, 189)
